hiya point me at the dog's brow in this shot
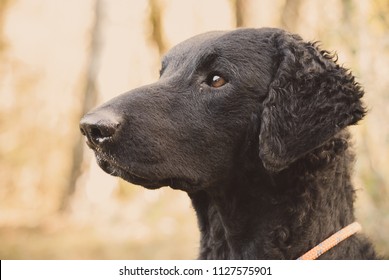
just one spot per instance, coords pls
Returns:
(207, 59)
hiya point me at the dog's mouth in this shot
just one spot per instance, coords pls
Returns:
(109, 165)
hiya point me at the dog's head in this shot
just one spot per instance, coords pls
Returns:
(220, 96)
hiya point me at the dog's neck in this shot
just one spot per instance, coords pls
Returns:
(276, 216)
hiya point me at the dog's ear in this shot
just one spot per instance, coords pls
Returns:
(310, 99)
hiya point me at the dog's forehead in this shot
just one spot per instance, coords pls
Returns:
(196, 45)
(214, 41)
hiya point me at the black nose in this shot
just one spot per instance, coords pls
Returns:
(99, 127)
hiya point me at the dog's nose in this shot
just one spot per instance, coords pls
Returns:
(99, 127)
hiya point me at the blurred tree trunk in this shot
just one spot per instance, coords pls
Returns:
(290, 15)
(156, 26)
(377, 190)
(240, 12)
(89, 99)
(3, 8)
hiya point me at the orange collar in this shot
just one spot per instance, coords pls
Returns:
(331, 241)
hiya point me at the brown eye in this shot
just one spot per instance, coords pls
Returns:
(217, 81)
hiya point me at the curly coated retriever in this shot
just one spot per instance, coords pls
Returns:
(251, 123)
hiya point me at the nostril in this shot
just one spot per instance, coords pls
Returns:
(97, 131)
(104, 130)
(101, 132)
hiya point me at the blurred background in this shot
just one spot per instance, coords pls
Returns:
(58, 59)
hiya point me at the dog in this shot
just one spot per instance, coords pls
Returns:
(252, 125)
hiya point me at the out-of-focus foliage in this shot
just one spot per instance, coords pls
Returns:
(60, 58)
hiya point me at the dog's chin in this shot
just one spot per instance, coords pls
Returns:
(133, 178)
(117, 171)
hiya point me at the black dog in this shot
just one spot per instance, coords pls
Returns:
(251, 124)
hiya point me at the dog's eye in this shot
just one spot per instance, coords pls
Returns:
(217, 81)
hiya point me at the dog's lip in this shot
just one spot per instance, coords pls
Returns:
(110, 166)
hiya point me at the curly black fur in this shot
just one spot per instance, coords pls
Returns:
(265, 158)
